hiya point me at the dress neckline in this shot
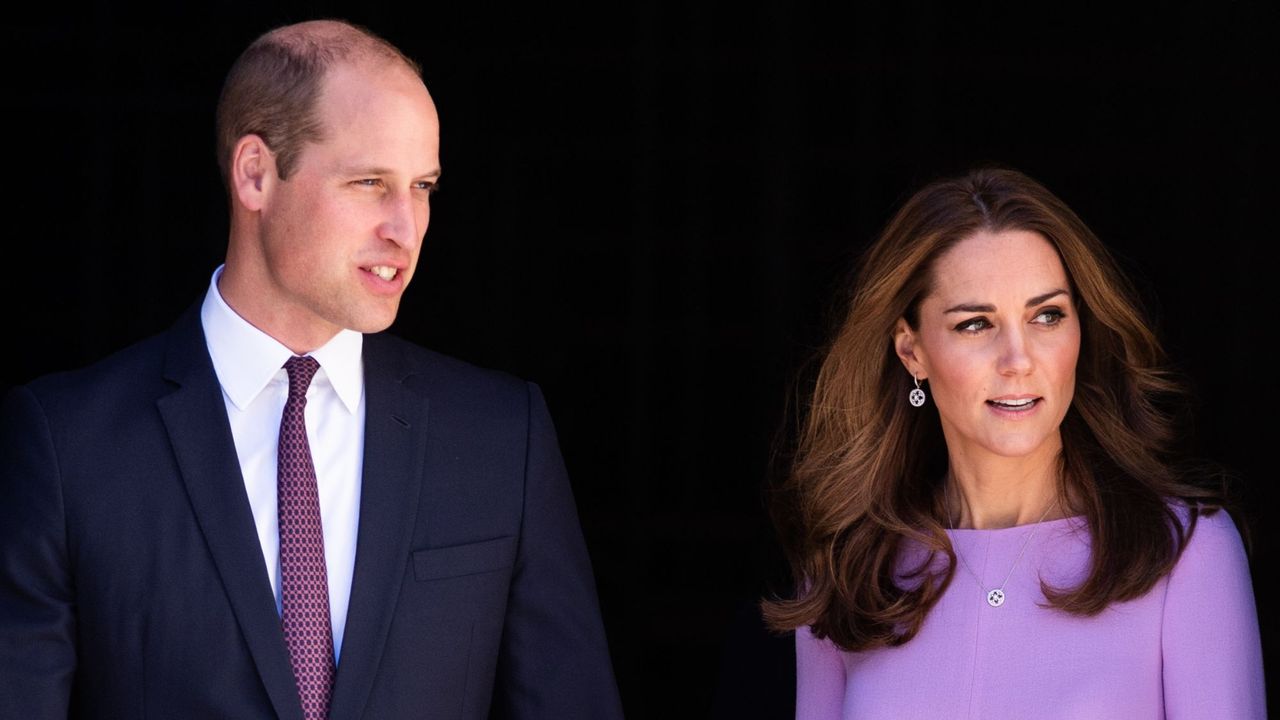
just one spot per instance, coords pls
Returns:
(1014, 529)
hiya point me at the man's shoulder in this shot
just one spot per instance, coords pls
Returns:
(108, 398)
(135, 369)
(417, 359)
(442, 377)
(137, 374)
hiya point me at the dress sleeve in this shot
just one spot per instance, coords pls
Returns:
(1211, 648)
(820, 678)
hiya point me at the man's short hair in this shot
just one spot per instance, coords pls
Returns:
(273, 87)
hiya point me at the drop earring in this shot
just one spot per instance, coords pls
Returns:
(916, 396)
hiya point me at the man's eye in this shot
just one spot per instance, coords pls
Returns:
(425, 185)
(368, 182)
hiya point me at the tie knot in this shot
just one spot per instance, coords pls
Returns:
(301, 369)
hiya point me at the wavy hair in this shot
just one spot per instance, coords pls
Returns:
(867, 470)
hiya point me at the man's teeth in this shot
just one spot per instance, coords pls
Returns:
(1014, 403)
(382, 271)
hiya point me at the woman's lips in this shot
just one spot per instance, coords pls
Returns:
(1014, 406)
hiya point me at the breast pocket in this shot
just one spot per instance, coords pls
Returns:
(462, 560)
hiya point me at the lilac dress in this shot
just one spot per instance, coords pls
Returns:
(1189, 648)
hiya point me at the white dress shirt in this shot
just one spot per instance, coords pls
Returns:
(250, 367)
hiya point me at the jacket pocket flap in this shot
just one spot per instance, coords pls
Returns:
(469, 559)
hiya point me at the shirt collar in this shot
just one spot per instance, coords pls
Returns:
(245, 359)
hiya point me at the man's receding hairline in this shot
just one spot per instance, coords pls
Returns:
(273, 88)
(337, 42)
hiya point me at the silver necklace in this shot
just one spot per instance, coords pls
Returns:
(995, 596)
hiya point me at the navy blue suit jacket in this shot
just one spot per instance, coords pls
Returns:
(132, 582)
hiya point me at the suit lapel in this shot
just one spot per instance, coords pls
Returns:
(195, 416)
(394, 451)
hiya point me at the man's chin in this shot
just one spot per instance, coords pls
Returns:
(373, 324)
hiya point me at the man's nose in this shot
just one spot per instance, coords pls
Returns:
(400, 222)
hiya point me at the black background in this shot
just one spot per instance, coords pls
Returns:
(649, 209)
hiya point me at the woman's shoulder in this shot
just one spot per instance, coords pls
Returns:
(1210, 650)
(1214, 548)
(1214, 526)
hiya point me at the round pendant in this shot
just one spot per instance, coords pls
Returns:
(995, 598)
(916, 396)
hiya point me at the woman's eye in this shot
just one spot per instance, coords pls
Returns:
(973, 325)
(1052, 316)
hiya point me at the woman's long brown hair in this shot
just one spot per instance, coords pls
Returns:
(867, 467)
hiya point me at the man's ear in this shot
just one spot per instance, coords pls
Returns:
(904, 344)
(253, 172)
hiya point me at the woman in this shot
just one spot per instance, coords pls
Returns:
(984, 511)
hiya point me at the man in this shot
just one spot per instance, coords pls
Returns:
(263, 512)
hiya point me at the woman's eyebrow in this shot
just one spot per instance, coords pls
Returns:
(976, 307)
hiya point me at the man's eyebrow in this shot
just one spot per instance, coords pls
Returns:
(977, 308)
(376, 170)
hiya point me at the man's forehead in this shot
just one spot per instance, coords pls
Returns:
(356, 86)
(376, 124)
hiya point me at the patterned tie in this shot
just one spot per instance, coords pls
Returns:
(304, 584)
